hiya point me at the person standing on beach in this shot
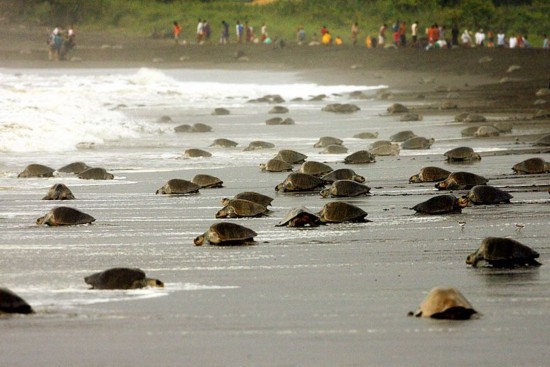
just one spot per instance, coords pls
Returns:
(206, 31)
(263, 32)
(545, 45)
(480, 38)
(501, 39)
(454, 35)
(200, 31)
(354, 32)
(176, 30)
(414, 33)
(382, 35)
(301, 35)
(224, 40)
(403, 34)
(239, 31)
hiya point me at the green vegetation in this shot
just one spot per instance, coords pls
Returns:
(145, 17)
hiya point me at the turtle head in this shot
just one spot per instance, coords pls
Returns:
(280, 187)
(415, 179)
(222, 213)
(160, 191)
(324, 193)
(358, 178)
(441, 185)
(476, 156)
(464, 202)
(225, 201)
(43, 220)
(199, 240)
(153, 283)
(472, 259)
(263, 166)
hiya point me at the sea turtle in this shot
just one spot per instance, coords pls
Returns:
(278, 109)
(543, 140)
(469, 131)
(36, 170)
(402, 136)
(300, 217)
(325, 141)
(339, 211)
(279, 121)
(441, 204)
(196, 153)
(59, 192)
(95, 173)
(445, 303)
(318, 97)
(291, 156)
(397, 108)
(485, 194)
(430, 174)
(240, 208)
(276, 165)
(75, 167)
(359, 157)
(379, 143)
(411, 117)
(417, 142)
(199, 127)
(461, 181)
(298, 181)
(334, 149)
(462, 154)
(342, 174)
(340, 108)
(65, 216)
(503, 252)
(184, 128)
(474, 117)
(177, 186)
(461, 116)
(531, 166)
(486, 131)
(315, 168)
(122, 278)
(224, 143)
(448, 105)
(366, 135)
(207, 181)
(504, 126)
(345, 188)
(258, 144)
(220, 111)
(164, 119)
(386, 150)
(227, 234)
(12, 303)
(251, 196)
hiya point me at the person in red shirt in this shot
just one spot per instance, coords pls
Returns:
(177, 31)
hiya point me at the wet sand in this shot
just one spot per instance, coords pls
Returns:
(332, 296)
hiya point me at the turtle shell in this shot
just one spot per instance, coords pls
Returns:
(462, 154)
(177, 186)
(397, 108)
(291, 156)
(430, 174)
(278, 109)
(251, 196)
(298, 181)
(486, 131)
(315, 168)
(65, 216)
(224, 143)
(359, 157)
(417, 142)
(12, 303)
(334, 149)
(379, 143)
(342, 174)
(276, 165)
(75, 167)
(121, 278)
(503, 252)
(185, 128)
(196, 153)
(385, 150)
(445, 303)
(300, 217)
(346, 188)
(220, 111)
(59, 192)
(485, 194)
(258, 144)
(95, 174)
(531, 166)
(207, 181)
(402, 136)
(411, 117)
(227, 234)
(199, 127)
(469, 131)
(366, 135)
(440, 204)
(339, 211)
(474, 117)
(461, 181)
(36, 170)
(325, 141)
(238, 208)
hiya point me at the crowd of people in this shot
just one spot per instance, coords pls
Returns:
(60, 42)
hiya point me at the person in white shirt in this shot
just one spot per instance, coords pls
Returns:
(466, 38)
(200, 30)
(480, 38)
(501, 40)
(513, 42)
(414, 32)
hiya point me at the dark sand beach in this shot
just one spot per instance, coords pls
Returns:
(337, 295)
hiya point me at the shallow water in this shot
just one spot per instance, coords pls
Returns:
(333, 295)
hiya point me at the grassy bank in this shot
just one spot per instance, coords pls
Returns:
(282, 17)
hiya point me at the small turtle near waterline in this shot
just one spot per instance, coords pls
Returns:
(65, 216)
(445, 303)
(240, 208)
(276, 165)
(503, 252)
(258, 145)
(342, 174)
(339, 212)
(36, 170)
(177, 186)
(441, 204)
(207, 181)
(430, 174)
(122, 278)
(531, 166)
(75, 167)
(226, 234)
(96, 173)
(300, 217)
(224, 143)
(345, 188)
(59, 192)
(461, 181)
(487, 195)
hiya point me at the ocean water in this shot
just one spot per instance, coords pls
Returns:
(337, 295)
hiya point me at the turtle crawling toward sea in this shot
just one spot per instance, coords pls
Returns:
(291, 156)
(441, 204)
(65, 216)
(276, 165)
(462, 154)
(342, 174)
(417, 142)
(251, 196)
(122, 278)
(227, 234)
(297, 181)
(430, 174)
(75, 167)
(315, 168)
(177, 186)
(240, 208)
(300, 217)
(487, 195)
(325, 141)
(531, 166)
(445, 303)
(339, 212)
(12, 303)
(36, 170)
(360, 157)
(96, 173)
(207, 181)
(59, 192)
(345, 188)
(503, 253)
(461, 181)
